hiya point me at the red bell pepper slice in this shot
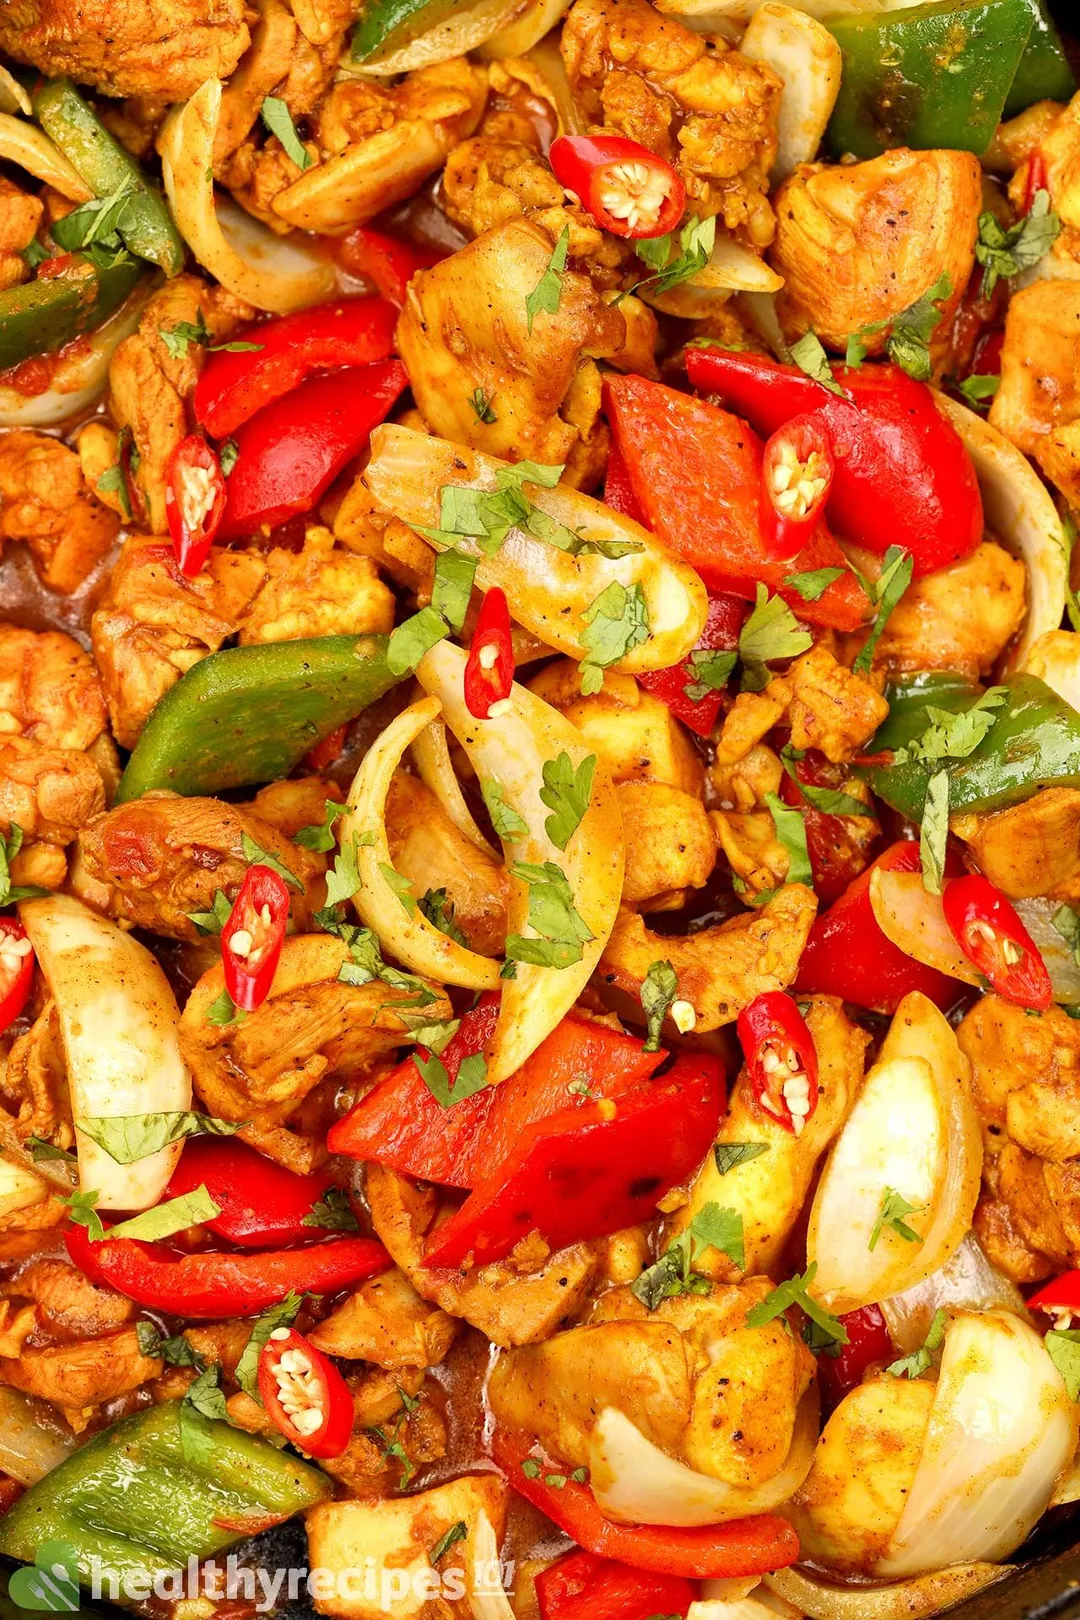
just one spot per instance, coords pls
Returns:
(796, 475)
(291, 450)
(304, 1394)
(262, 1204)
(836, 856)
(627, 189)
(902, 475)
(781, 1059)
(206, 1287)
(868, 1342)
(16, 970)
(992, 937)
(401, 1124)
(587, 1171)
(618, 490)
(489, 668)
(753, 1546)
(1059, 1298)
(388, 263)
(727, 614)
(233, 384)
(195, 496)
(847, 954)
(253, 936)
(584, 1587)
(695, 471)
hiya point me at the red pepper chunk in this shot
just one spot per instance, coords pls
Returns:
(992, 937)
(584, 1587)
(234, 384)
(626, 188)
(304, 1394)
(754, 1546)
(868, 1342)
(796, 475)
(252, 938)
(587, 1171)
(207, 1286)
(489, 668)
(1036, 179)
(680, 686)
(16, 970)
(262, 1204)
(388, 263)
(195, 496)
(1059, 1299)
(781, 1059)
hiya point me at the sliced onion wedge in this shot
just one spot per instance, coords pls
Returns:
(1002, 1428)
(118, 1023)
(549, 589)
(914, 1132)
(32, 150)
(511, 749)
(20, 1188)
(402, 931)
(269, 272)
(81, 376)
(821, 1599)
(486, 1600)
(635, 1482)
(967, 1281)
(913, 919)
(431, 754)
(1021, 514)
(463, 31)
(802, 52)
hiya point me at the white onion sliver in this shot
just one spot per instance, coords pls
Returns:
(431, 755)
(29, 147)
(486, 1603)
(803, 53)
(901, 1600)
(967, 1281)
(914, 920)
(31, 1445)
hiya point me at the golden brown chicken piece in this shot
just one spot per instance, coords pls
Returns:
(20, 216)
(673, 847)
(465, 329)
(857, 243)
(147, 47)
(284, 1066)
(832, 709)
(693, 101)
(961, 617)
(1031, 848)
(1050, 134)
(50, 692)
(68, 1305)
(34, 1083)
(635, 735)
(434, 854)
(1037, 404)
(148, 385)
(155, 860)
(318, 591)
(385, 1321)
(45, 501)
(82, 1374)
(48, 793)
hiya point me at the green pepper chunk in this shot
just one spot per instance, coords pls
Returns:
(1033, 743)
(132, 1504)
(387, 25)
(147, 228)
(250, 714)
(1044, 73)
(41, 316)
(935, 75)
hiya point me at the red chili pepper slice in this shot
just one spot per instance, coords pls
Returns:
(262, 1204)
(489, 668)
(1037, 179)
(305, 1395)
(252, 938)
(626, 188)
(324, 753)
(207, 1286)
(796, 476)
(387, 262)
(781, 1059)
(753, 1546)
(195, 496)
(584, 1587)
(16, 970)
(234, 384)
(681, 687)
(1060, 1298)
(992, 937)
(868, 1342)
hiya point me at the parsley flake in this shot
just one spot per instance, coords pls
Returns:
(892, 582)
(893, 1209)
(771, 632)
(1003, 253)
(919, 1361)
(809, 355)
(796, 1292)
(659, 988)
(547, 293)
(616, 621)
(560, 931)
(504, 818)
(566, 793)
(278, 120)
(934, 833)
(730, 1154)
(673, 1274)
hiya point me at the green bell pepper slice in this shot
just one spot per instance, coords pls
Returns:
(40, 316)
(147, 228)
(387, 25)
(935, 75)
(1044, 73)
(249, 714)
(131, 1503)
(1033, 743)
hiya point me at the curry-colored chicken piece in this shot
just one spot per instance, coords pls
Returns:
(690, 99)
(1049, 134)
(829, 708)
(149, 384)
(146, 47)
(673, 847)
(385, 1321)
(20, 216)
(44, 500)
(464, 333)
(34, 1084)
(1031, 848)
(317, 591)
(68, 1306)
(858, 243)
(50, 692)
(428, 849)
(1037, 404)
(83, 1374)
(48, 793)
(634, 734)
(958, 618)
(161, 857)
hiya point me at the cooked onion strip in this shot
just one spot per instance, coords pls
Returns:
(547, 59)
(31, 1445)
(431, 755)
(1037, 916)
(802, 52)
(463, 31)
(32, 150)
(549, 590)
(13, 98)
(511, 749)
(635, 1482)
(269, 272)
(526, 30)
(118, 1024)
(967, 1281)
(913, 919)
(486, 1603)
(901, 1600)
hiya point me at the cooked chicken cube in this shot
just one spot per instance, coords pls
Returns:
(958, 618)
(20, 216)
(858, 243)
(68, 1305)
(672, 847)
(634, 734)
(759, 862)
(1059, 147)
(435, 855)
(1025, 1075)
(832, 709)
(319, 591)
(465, 328)
(1031, 848)
(50, 692)
(34, 1082)
(82, 1374)
(45, 501)
(693, 101)
(386, 1321)
(48, 793)
(1038, 402)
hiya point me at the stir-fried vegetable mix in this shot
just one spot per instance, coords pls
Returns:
(539, 803)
